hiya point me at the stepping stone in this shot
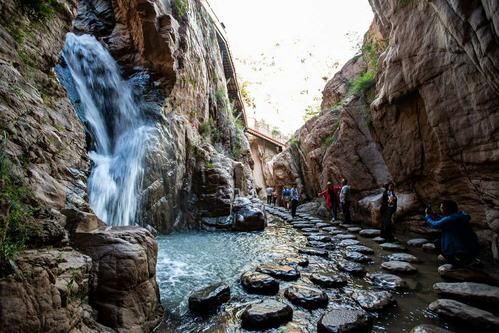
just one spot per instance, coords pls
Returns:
(306, 297)
(354, 229)
(417, 242)
(429, 329)
(379, 239)
(370, 233)
(387, 281)
(329, 280)
(398, 267)
(341, 237)
(296, 261)
(360, 248)
(346, 226)
(373, 300)
(351, 267)
(344, 320)
(283, 272)
(348, 242)
(311, 230)
(321, 245)
(403, 257)
(469, 291)
(448, 272)
(322, 225)
(336, 232)
(429, 247)
(210, 298)
(314, 252)
(465, 314)
(319, 238)
(301, 226)
(259, 283)
(266, 314)
(357, 257)
(392, 247)
(329, 229)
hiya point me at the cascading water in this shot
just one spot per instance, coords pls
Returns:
(117, 125)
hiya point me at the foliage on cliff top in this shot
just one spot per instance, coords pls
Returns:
(40, 9)
(181, 7)
(311, 111)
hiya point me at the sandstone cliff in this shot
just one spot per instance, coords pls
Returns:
(425, 117)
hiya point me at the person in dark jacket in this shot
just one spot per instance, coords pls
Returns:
(388, 208)
(458, 243)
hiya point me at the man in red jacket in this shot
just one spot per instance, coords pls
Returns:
(330, 194)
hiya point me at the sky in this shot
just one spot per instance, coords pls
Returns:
(285, 50)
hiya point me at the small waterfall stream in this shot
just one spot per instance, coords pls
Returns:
(117, 126)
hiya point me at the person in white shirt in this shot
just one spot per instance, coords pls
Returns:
(269, 195)
(345, 201)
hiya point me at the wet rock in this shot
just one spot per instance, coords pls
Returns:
(344, 320)
(247, 216)
(429, 329)
(351, 267)
(266, 314)
(348, 242)
(357, 257)
(341, 237)
(373, 300)
(286, 273)
(311, 230)
(329, 280)
(259, 283)
(370, 233)
(321, 245)
(403, 257)
(417, 242)
(360, 248)
(465, 314)
(319, 238)
(469, 291)
(448, 272)
(296, 261)
(387, 281)
(307, 297)
(399, 267)
(330, 229)
(429, 247)
(314, 252)
(301, 225)
(392, 247)
(346, 225)
(354, 229)
(210, 298)
(322, 225)
(336, 232)
(379, 239)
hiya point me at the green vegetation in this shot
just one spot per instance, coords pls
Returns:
(404, 3)
(248, 100)
(311, 111)
(208, 130)
(370, 53)
(294, 141)
(363, 82)
(181, 7)
(328, 140)
(40, 9)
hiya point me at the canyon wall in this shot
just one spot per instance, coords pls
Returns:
(419, 107)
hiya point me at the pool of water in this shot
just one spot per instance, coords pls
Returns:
(189, 261)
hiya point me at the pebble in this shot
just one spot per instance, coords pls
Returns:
(266, 314)
(306, 297)
(344, 320)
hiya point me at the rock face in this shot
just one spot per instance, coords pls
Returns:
(415, 122)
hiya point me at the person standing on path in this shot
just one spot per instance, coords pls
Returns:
(274, 197)
(286, 192)
(269, 191)
(345, 200)
(330, 195)
(295, 198)
(388, 208)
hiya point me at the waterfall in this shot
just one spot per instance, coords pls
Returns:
(117, 126)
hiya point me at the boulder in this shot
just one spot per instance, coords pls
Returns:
(247, 216)
(373, 300)
(306, 297)
(210, 298)
(399, 267)
(282, 272)
(329, 280)
(344, 320)
(259, 283)
(403, 257)
(465, 314)
(387, 281)
(469, 291)
(266, 314)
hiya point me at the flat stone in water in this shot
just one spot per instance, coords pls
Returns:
(314, 252)
(296, 261)
(387, 281)
(370, 233)
(321, 245)
(354, 229)
(259, 283)
(329, 229)
(429, 329)
(329, 280)
(307, 297)
(392, 247)
(351, 267)
(379, 239)
(373, 300)
(319, 238)
(348, 242)
(469, 291)
(266, 314)
(346, 225)
(344, 320)
(448, 272)
(336, 232)
(403, 257)
(340, 237)
(357, 257)
(360, 248)
(283, 272)
(399, 267)
(429, 247)
(208, 299)
(417, 242)
(464, 313)
(301, 225)
(322, 225)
